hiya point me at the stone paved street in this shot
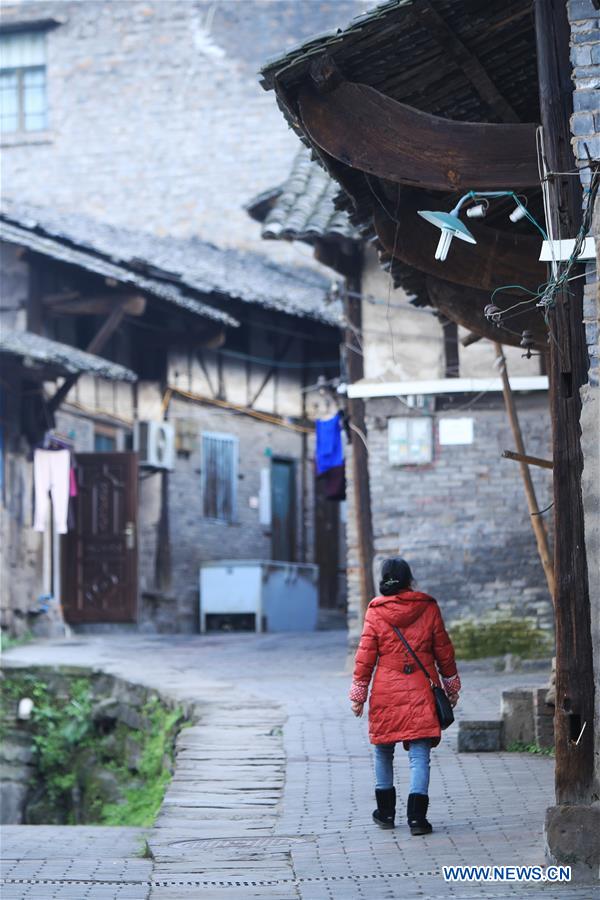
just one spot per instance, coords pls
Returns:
(273, 792)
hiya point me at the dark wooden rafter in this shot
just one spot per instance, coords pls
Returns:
(366, 130)
(99, 340)
(423, 12)
(465, 306)
(73, 303)
(498, 258)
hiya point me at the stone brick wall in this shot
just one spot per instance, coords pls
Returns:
(195, 539)
(156, 117)
(585, 126)
(462, 521)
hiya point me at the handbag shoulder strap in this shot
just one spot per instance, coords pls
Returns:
(413, 654)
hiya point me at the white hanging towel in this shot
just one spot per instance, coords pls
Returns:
(51, 474)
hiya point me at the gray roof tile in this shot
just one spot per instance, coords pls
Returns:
(61, 359)
(304, 207)
(175, 269)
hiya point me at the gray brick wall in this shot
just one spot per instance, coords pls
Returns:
(585, 125)
(195, 539)
(462, 521)
(156, 117)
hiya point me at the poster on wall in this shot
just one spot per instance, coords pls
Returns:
(455, 431)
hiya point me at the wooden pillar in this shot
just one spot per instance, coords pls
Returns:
(360, 455)
(574, 717)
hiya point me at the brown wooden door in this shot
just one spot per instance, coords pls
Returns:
(100, 559)
(327, 544)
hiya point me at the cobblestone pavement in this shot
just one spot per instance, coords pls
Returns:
(272, 794)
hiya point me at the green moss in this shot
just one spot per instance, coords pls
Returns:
(87, 774)
(141, 804)
(520, 747)
(477, 640)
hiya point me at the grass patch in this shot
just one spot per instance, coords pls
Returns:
(520, 747)
(477, 640)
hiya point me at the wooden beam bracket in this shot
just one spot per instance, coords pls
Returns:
(529, 460)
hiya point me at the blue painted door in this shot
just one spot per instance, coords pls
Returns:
(283, 510)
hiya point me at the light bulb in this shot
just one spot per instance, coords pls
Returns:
(478, 211)
(518, 213)
(443, 244)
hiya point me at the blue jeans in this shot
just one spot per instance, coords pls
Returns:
(418, 760)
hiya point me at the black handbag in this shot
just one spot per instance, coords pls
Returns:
(443, 708)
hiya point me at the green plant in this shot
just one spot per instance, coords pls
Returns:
(520, 747)
(87, 772)
(62, 729)
(7, 642)
(477, 640)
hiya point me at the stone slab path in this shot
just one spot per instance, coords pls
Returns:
(48, 861)
(272, 793)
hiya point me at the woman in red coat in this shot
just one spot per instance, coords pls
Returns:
(401, 706)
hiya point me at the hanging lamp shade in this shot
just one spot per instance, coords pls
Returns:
(451, 226)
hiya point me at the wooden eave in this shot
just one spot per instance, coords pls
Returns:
(425, 96)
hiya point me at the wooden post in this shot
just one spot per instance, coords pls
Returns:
(574, 716)
(537, 522)
(360, 455)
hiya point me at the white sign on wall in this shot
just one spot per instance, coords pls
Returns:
(456, 431)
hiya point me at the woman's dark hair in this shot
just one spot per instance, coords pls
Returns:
(395, 576)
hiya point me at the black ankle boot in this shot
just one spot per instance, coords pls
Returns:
(385, 813)
(416, 812)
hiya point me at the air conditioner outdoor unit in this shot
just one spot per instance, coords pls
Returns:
(155, 443)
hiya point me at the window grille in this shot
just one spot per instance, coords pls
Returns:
(219, 476)
(23, 105)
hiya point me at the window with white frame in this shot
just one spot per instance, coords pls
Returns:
(219, 476)
(410, 440)
(23, 105)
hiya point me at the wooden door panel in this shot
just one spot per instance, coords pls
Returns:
(101, 553)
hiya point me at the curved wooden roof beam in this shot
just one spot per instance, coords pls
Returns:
(369, 131)
(465, 307)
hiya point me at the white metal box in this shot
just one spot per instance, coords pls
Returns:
(282, 596)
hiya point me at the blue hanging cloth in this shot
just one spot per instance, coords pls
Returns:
(330, 450)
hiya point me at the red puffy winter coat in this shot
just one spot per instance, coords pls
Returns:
(401, 706)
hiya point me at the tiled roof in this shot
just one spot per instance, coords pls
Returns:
(60, 359)
(182, 271)
(304, 207)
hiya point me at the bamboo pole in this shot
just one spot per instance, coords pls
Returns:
(537, 523)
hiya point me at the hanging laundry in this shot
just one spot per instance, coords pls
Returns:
(330, 450)
(334, 483)
(51, 475)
